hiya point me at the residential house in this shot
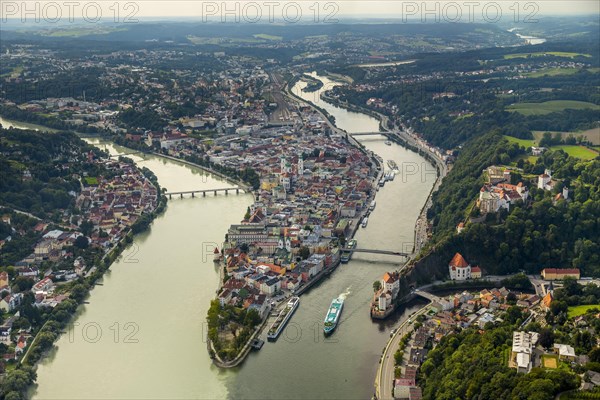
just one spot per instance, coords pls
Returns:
(565, 352)
(11, 302)
(43, 286)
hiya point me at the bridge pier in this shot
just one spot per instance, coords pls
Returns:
(237, 191)
(193, 195)
(204, 194)
(215, 192)
(181, 195)
(170, 197)
(226, 191)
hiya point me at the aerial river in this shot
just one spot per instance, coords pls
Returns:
(163, 283)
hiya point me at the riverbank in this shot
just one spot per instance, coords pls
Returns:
(387, 364)
(404, 139)
(61, 293)
(313, 280)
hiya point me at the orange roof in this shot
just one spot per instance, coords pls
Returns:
(387, 278)
(548, 299)
(475, 269)
(458, 261)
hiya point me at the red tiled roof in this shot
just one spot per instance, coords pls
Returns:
(458, 261)
(387, 278)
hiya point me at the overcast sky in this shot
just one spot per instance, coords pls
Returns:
(373, 8)
(305, 10)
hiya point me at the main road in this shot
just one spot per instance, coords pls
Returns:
(384, 381)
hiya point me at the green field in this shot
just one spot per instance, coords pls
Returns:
(531, 159)
(91, 181)
(577, 151)
(591, 135)
(552, 72)
(79, 32)
(548, 107)
(16, 71)
(267, 37)
(575, 311)
(221, 41)
(545, 53)
(521, 142)
(573, 150)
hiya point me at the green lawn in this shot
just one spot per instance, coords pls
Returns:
(573, 150)
(548, 107)
(91, 181)
(577, 151)
(575, 311)
(531, 159)
(521, 142)
(545, 53)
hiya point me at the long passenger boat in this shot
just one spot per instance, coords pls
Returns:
(282, 319)
(333, 315)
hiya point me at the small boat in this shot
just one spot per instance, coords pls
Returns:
(365, 221)
(257, 344)
(347, 255)
(388, 142)
(372, 206)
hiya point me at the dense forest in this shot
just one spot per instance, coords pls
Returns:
(39, 174)
(545, 233)
(474, 365)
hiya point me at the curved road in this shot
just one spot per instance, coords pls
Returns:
(384, 381)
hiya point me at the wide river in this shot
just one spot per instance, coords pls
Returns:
(163, 283)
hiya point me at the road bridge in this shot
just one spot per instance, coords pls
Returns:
(204, 191)
(133, 153)
(431, 297)
(374, 251)
(367, 133)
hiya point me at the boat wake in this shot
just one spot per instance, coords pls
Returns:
(345, 294)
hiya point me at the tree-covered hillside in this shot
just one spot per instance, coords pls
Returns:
(473, 365)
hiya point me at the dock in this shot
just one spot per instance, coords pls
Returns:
(257, 344)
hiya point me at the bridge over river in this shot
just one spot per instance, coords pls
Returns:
(237, 190)
(375, 251)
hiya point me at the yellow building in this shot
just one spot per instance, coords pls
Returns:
(557, 274)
